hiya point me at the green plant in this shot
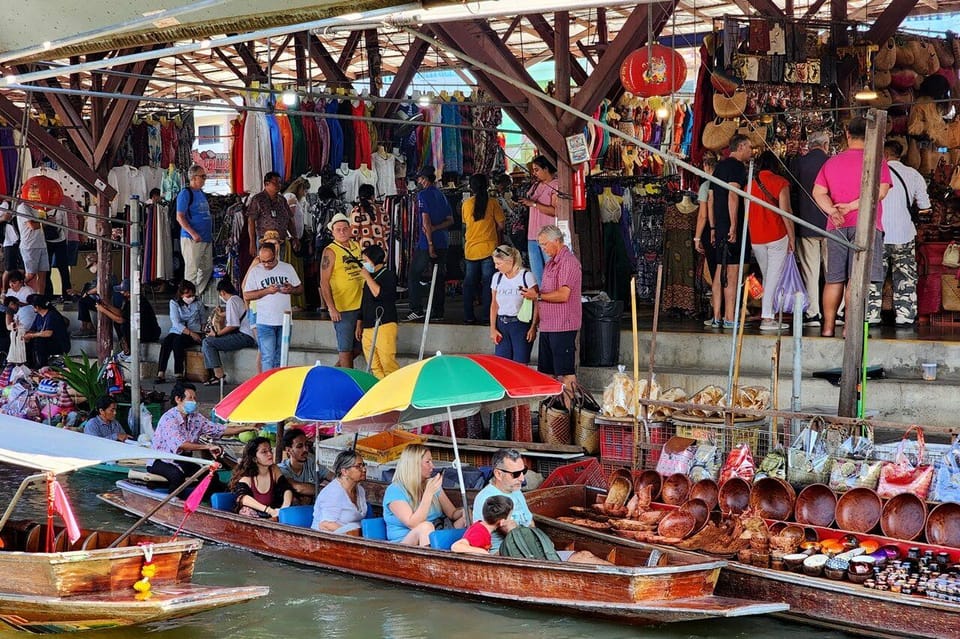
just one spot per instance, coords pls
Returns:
(86, 377)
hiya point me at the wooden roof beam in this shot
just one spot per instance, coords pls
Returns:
(513, 25)
(401, 81)
(332, 72)
(374, 60)
(229, 64)
(767, 8)
(632, 35)
(349, 49)
(254, 70)
(280, 50)
(887, 22)
(559, 49)
(813, 8)
(121, 114)
(217, 91)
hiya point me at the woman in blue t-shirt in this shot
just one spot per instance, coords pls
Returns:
(414, 504)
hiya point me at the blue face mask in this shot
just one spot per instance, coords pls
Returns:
(189, 407)
(370, 267)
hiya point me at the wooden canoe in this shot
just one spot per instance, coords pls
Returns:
(679, 587)
(839, 605)
(86, 585)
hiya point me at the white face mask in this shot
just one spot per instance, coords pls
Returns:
(188, 300)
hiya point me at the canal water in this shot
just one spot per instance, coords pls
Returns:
(306, 602)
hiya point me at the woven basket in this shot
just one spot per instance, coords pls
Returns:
(585, 411)
(555, 421)
(521, 425)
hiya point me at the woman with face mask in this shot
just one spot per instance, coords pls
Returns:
(186, 324)
(179, 430)
(235, 334)
(379, 300)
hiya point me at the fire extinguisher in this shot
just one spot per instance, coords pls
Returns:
(579, 188)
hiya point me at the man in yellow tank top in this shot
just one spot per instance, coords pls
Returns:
(341, 287)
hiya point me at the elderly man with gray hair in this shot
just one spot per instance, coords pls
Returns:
(811, 248)
(196, 230)
(508, 474)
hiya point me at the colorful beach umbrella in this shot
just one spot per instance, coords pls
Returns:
(321, 393)
(447, 386)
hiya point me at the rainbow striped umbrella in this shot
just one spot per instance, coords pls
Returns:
(321, 393)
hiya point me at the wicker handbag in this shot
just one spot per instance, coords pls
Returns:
(585, 430)
(850, 467)
(554, 421)
(717, 134)
(949, 292)
(757, 135)
(808, 461)
(732, 107)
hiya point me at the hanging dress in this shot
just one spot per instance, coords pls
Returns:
(362, 150)
(336, 137)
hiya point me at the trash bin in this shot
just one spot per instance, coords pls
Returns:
(600, 333)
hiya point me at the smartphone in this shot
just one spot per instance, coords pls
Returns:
(499, 338)
(436, 471)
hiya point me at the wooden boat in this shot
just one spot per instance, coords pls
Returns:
(677, 587)
(838, 605)
(87, 584)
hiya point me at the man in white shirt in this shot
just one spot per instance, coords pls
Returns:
(33, 247)
(899, 233)
(271, 283)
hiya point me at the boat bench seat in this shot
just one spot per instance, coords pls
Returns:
(374, 528)
(296, 516)
(444, 539)
(223, 501)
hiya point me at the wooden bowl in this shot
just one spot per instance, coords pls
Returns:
(943, 525)
(706, 490)
(773, 498)
(677, 524)
(816, 505)
(858, 510)
(675, 489)
(903, 517)
(734, 496)
(698, 508)
(649, 478)
(620, 490)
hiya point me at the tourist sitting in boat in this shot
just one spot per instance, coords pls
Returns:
(178, 431)
(342, 503)
(508, 473)
(414, 505)
(104, 423)
(477, 539)
(260, 487)
(300, 467)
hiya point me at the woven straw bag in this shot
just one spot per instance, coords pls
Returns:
(949, 292)
(757, 135)
(732, 107)
(585, 430)
(808, 460)
(717, 134)
(554, 421)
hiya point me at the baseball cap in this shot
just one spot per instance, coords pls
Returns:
(428, 172)
(122, 287)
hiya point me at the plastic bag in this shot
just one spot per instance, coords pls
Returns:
(789, 284)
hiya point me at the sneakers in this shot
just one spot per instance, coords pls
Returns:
(713, 323)
(873, 321)
(124, 357)
(839, 321)
(414, 316)
(812, 320)
(729, 324)
(772, 325)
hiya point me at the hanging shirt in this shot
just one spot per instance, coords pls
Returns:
(385, 168)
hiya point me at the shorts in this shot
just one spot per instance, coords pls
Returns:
(11, 258)
(558, 353)
(840, 257)
(730, 250)
(346, 330)
(35, 260)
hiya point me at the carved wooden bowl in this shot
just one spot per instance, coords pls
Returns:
(707, 490)
(816, 505)
(698, 508)
(943, 525)
(858, 510)
(675, 489)
(649, 478)
(773, 498)
(677, 524)
(734, 497)
(903, 517)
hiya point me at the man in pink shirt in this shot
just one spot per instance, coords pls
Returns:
(837, 192)
(560, 310)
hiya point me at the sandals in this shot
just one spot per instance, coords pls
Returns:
(214, 380)
(161, 379)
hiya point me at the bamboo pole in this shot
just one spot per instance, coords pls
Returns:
(636, 366)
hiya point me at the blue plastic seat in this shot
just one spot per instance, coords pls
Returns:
(223, 501)
(444, 539)
(374, 528)
(296, 516)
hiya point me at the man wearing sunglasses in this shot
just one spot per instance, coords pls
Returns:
(509, 471)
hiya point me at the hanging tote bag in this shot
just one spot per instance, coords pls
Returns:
(773, 465)
(808, 461)
(902, 475)
(554, 421)
(717, 134)
(789, 285)
(851, 467)
(946, 476)
(732, 107)
(586, 433)
(739, 464)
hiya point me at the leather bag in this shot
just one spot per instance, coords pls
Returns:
(902, 475)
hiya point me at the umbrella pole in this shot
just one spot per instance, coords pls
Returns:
(456, 464)
(285, 338)
(426, 320)
(373, 345)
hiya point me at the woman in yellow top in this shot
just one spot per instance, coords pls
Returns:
(341, 287)
(484, 220)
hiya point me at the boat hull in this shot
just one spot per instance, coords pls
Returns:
(838, 605)
(632, 593)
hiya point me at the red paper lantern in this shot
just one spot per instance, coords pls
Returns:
(653, 70)
(42, 192)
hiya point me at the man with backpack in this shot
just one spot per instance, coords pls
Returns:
(196, 230)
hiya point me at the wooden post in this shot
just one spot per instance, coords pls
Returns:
(858, 285)
(104, 268)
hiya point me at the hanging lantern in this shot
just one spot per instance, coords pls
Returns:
(42, 192)
(653, 70)
(579, 188)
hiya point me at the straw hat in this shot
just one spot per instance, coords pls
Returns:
(687, 205)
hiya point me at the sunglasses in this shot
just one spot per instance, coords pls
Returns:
(514, 473)
(501, 251)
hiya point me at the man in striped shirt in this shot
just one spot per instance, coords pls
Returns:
(560, 310)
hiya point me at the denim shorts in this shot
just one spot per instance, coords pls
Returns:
(346, 330)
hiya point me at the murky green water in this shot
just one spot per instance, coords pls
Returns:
(306, 602)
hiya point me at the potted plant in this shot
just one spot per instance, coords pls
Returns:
(85, 377)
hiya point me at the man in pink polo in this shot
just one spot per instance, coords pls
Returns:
(837, 192)
(560, 310)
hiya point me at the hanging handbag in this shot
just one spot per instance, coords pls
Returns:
(946, 476)
(902, 475)
(554, 421)
(739, 464)
(757, 136)
(677, 456)
(717, 134)
(951, 255)
(732, 107)
(585, 430)
(525, 314)
(949, 292)
(851, 467)
(773, 465)
(707, 461)
(808, 461)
